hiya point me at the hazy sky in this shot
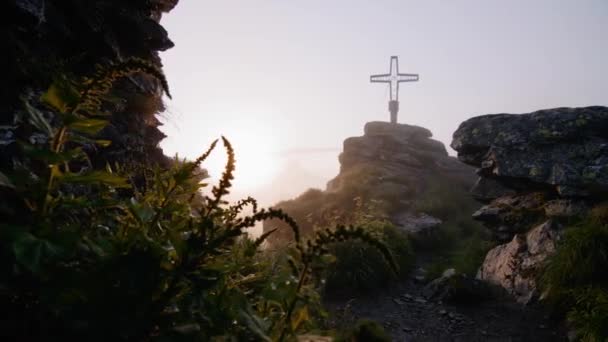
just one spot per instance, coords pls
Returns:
(288, 80)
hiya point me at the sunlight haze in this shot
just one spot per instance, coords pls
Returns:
(288, 81)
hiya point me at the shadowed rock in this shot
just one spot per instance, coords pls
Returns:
(564, 148)
(548, 166)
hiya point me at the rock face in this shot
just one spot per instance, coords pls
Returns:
(563, 149)
(46, 40)
(395, 172)
(536, 171)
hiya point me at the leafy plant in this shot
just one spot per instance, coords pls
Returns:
(88, 254)
(360, 268)
(575, 282)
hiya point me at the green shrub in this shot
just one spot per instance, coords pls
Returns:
(359, 268)
(462, 247)
(580, 260)
(589, 315)
(459, 242)
(93, 255)
(575, 281)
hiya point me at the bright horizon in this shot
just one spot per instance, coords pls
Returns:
(287, 82)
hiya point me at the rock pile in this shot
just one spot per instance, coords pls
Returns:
(536, 171)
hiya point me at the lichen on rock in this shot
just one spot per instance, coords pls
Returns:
(537, 172)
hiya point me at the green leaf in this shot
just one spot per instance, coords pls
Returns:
(50, 157)
(37, 119)
(103, 143)
(88, 126)
(61, 95)
(5, 182)
(300, 317)
(255, 324)
(143, 212)
(31, 252)
(96, 177)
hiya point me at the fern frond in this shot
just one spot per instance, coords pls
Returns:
(102, 81)
(259, 241)
(267, 214)
(319, 244)
(204, 156)
(226, 182)
(238, 208)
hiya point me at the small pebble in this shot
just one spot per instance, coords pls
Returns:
(398, 301)
(420, 300)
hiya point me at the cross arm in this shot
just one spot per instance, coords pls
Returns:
(384, 78)
(407, 78)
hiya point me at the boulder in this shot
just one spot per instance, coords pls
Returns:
(515, 265)
(565, 149)
(547, 167)
(458, 288)
(416, 223)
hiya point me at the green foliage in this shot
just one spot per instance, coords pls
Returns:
(364, 331)
(590, 314)
(460, 242)
(580, 259)
(575, 279)
(87, 255)
(457, 247)
(359, 267)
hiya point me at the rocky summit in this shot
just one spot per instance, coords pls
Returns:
(394, 172)
(537, 171)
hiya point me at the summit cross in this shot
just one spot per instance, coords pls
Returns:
(393, 79)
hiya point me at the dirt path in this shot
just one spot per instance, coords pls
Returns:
(407, 316)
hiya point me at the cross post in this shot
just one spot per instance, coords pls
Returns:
(393, 78)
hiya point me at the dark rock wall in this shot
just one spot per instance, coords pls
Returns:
(537, 172)
(46, 39)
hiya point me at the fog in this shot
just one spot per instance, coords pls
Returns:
(288, 81)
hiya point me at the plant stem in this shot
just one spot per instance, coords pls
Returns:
(292, 306)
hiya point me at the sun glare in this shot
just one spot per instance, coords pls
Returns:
(257, 160)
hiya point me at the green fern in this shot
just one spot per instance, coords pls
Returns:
(95, 87)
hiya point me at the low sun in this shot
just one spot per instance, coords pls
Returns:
(255, 148)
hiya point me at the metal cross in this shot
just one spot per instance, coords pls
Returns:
(393, 79)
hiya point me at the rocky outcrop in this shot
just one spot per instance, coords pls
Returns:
(514, 265)
(536, 171)
(563, 149)
(394, 172)
(458, 288)
(53, 39)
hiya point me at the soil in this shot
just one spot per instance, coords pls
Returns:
(407, 316)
